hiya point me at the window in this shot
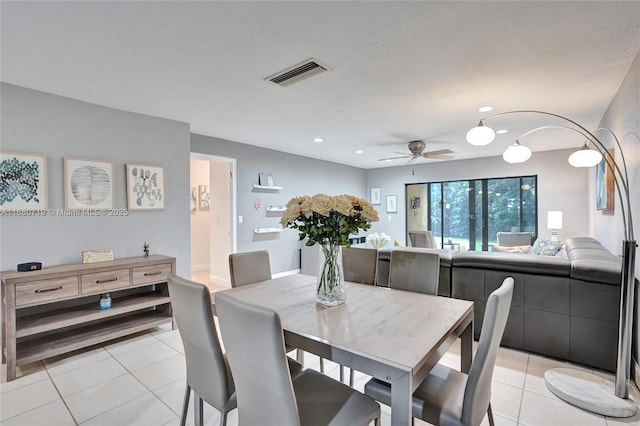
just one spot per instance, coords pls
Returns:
(468, 214)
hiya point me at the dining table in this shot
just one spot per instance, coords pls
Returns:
(393, 335)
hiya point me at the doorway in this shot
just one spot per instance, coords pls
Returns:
(213, 231)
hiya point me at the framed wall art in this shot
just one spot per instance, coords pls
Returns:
(605, 184)
(392, 203)
(375, 196)
(145, 187)
(205, 196)
(23, 181)
(193, 197)
(88, 184)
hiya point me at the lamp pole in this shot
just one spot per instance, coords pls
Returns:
(584, 390)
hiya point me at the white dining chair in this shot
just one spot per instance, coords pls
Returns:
(414, 271)
(449, 397)
(252, 267)
(254, 341)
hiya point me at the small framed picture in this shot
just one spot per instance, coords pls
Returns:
(375, 196)
(88, 184)
(145, 187)
(193, 199)
(392, 203)
(205, 197)
(23, 181)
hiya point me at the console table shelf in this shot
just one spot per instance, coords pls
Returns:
(56, 310)
(37, 323)
(78, 338)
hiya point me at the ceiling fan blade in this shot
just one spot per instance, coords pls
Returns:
(436, 153)
(394, 158)
(440, 157)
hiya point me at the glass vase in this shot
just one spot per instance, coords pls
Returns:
(331, 290)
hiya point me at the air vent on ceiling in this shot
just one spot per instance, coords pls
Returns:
(298, 72)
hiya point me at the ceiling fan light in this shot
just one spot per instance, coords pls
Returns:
(481, 135)
(516, 153)
(585, 157)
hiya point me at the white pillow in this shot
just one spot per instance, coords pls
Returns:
(508, 249)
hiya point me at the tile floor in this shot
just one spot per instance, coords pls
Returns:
(140, 380)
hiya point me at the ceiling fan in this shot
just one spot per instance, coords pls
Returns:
(416, 148)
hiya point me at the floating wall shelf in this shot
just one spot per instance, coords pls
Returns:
(266, 188)
(267, 230)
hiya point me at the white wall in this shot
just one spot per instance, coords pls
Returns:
(560, 187)
(200, 220)
(41, 123)
(297, 175)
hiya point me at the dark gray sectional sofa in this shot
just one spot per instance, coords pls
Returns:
(564, 306)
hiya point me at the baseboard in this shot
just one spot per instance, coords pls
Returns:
(200, 268)
(285, 273)
(219, 280)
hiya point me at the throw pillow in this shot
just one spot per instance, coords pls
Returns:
(511, 249)
(545, 247)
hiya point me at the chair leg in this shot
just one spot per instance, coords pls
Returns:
(185, 406)
(351, 377)
(223, 418)
(341, 373)
(300, 357)
(490, 415)
(321, 365)
(376, 422)
(198, 412)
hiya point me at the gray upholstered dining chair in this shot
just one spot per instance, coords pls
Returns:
(207, 371)
(414, 271)
(449, 397)
(254, 341)
(252, 267)
(249, 267)
(359, 265)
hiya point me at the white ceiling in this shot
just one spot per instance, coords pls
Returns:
(400, 70)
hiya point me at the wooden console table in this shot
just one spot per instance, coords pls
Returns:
(56, 310)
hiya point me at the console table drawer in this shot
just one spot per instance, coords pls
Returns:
(102, 282)
(38, 292)
(151, 274)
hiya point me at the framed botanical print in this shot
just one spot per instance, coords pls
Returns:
(375, 196)
(23, 181)
(205, 197)
(145, 187)
(88, 184)
(392, 203)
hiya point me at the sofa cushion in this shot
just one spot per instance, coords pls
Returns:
(516, 262)
(545, 247)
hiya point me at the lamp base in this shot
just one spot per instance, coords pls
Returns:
(589, 392)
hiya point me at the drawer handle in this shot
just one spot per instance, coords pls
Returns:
(44, 290)
(106, 281)
(148, 274)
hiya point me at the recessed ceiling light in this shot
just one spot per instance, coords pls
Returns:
(502, 131)
(485, 109)
(318, 140)
(359, 151)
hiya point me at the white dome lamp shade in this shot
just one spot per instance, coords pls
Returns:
(585, 157)
(516, 153)
(481, 135)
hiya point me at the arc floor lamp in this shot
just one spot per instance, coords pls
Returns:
(586, 390)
